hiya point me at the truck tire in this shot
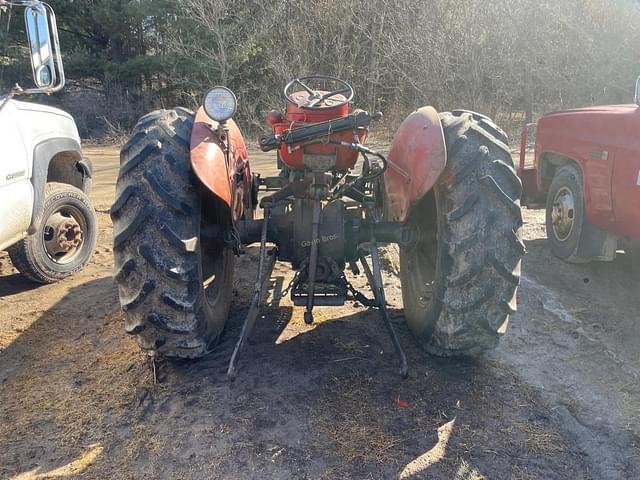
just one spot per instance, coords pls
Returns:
(65, 237)
(634, 252)
(174, 286)
(565, 214)
(459, 281)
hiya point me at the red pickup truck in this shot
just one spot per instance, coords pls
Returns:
(586, 169)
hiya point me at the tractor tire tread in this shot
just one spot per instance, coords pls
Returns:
(480, 250)
(156, 217)
(168, 197)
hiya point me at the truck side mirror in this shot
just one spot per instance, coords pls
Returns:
(637, 99)
(44, 48)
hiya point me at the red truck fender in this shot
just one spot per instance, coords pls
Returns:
(417, 157)
(209, 164)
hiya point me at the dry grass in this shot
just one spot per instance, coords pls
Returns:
(390, 259)
(351, 346)
(67, 402)
(348, 420)
(539, 440)
(467, 472)
(578, 311)
(519, 474)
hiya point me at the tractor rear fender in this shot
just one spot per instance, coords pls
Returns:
(417, 158)
(230, 183)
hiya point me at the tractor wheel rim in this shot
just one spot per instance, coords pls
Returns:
(563, 214)
(214, 259)
(63, 234)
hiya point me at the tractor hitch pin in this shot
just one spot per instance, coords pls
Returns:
(250, 319)
(375, 280)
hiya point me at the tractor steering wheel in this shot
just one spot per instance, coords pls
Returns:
(316, 99)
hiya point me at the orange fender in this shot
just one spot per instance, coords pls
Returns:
(209, 164)
(417, 157)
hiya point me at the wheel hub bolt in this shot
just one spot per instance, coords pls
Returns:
(69, 235)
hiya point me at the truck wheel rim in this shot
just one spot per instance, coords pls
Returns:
(63, 235)
(563, 214)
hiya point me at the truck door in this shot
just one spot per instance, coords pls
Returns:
(626, 180)
(16, 192)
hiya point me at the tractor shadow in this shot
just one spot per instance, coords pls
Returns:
(332, 394)
(328, 400)
(320, 401)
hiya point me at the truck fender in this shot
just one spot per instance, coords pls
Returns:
(417, 157)
(595, 242)
(43, 153)
(230, 183)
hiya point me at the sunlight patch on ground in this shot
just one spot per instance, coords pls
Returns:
(296, 326)
(75, 467)
(433, 456)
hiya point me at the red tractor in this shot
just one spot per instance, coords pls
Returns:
(186, 199)
(586, 169)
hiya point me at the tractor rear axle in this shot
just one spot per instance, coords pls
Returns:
(249, 232)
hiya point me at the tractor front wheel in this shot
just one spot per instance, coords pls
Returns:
(459, 282)
(175, 287)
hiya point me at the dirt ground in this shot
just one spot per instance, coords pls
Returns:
(559, 399)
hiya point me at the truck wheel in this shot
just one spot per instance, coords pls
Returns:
(565, 215)
(459, 282)
(635, 259)
(65, 237)
(175, 287)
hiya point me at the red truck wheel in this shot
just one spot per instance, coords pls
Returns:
(565, 215)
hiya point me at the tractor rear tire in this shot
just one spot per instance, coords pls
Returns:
(459, 282)
(161, 262)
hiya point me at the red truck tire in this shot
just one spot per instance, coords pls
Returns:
(565, 214)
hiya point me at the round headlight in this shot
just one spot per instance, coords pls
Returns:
(220, 104)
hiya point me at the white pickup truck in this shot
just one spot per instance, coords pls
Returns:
(47, 223)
